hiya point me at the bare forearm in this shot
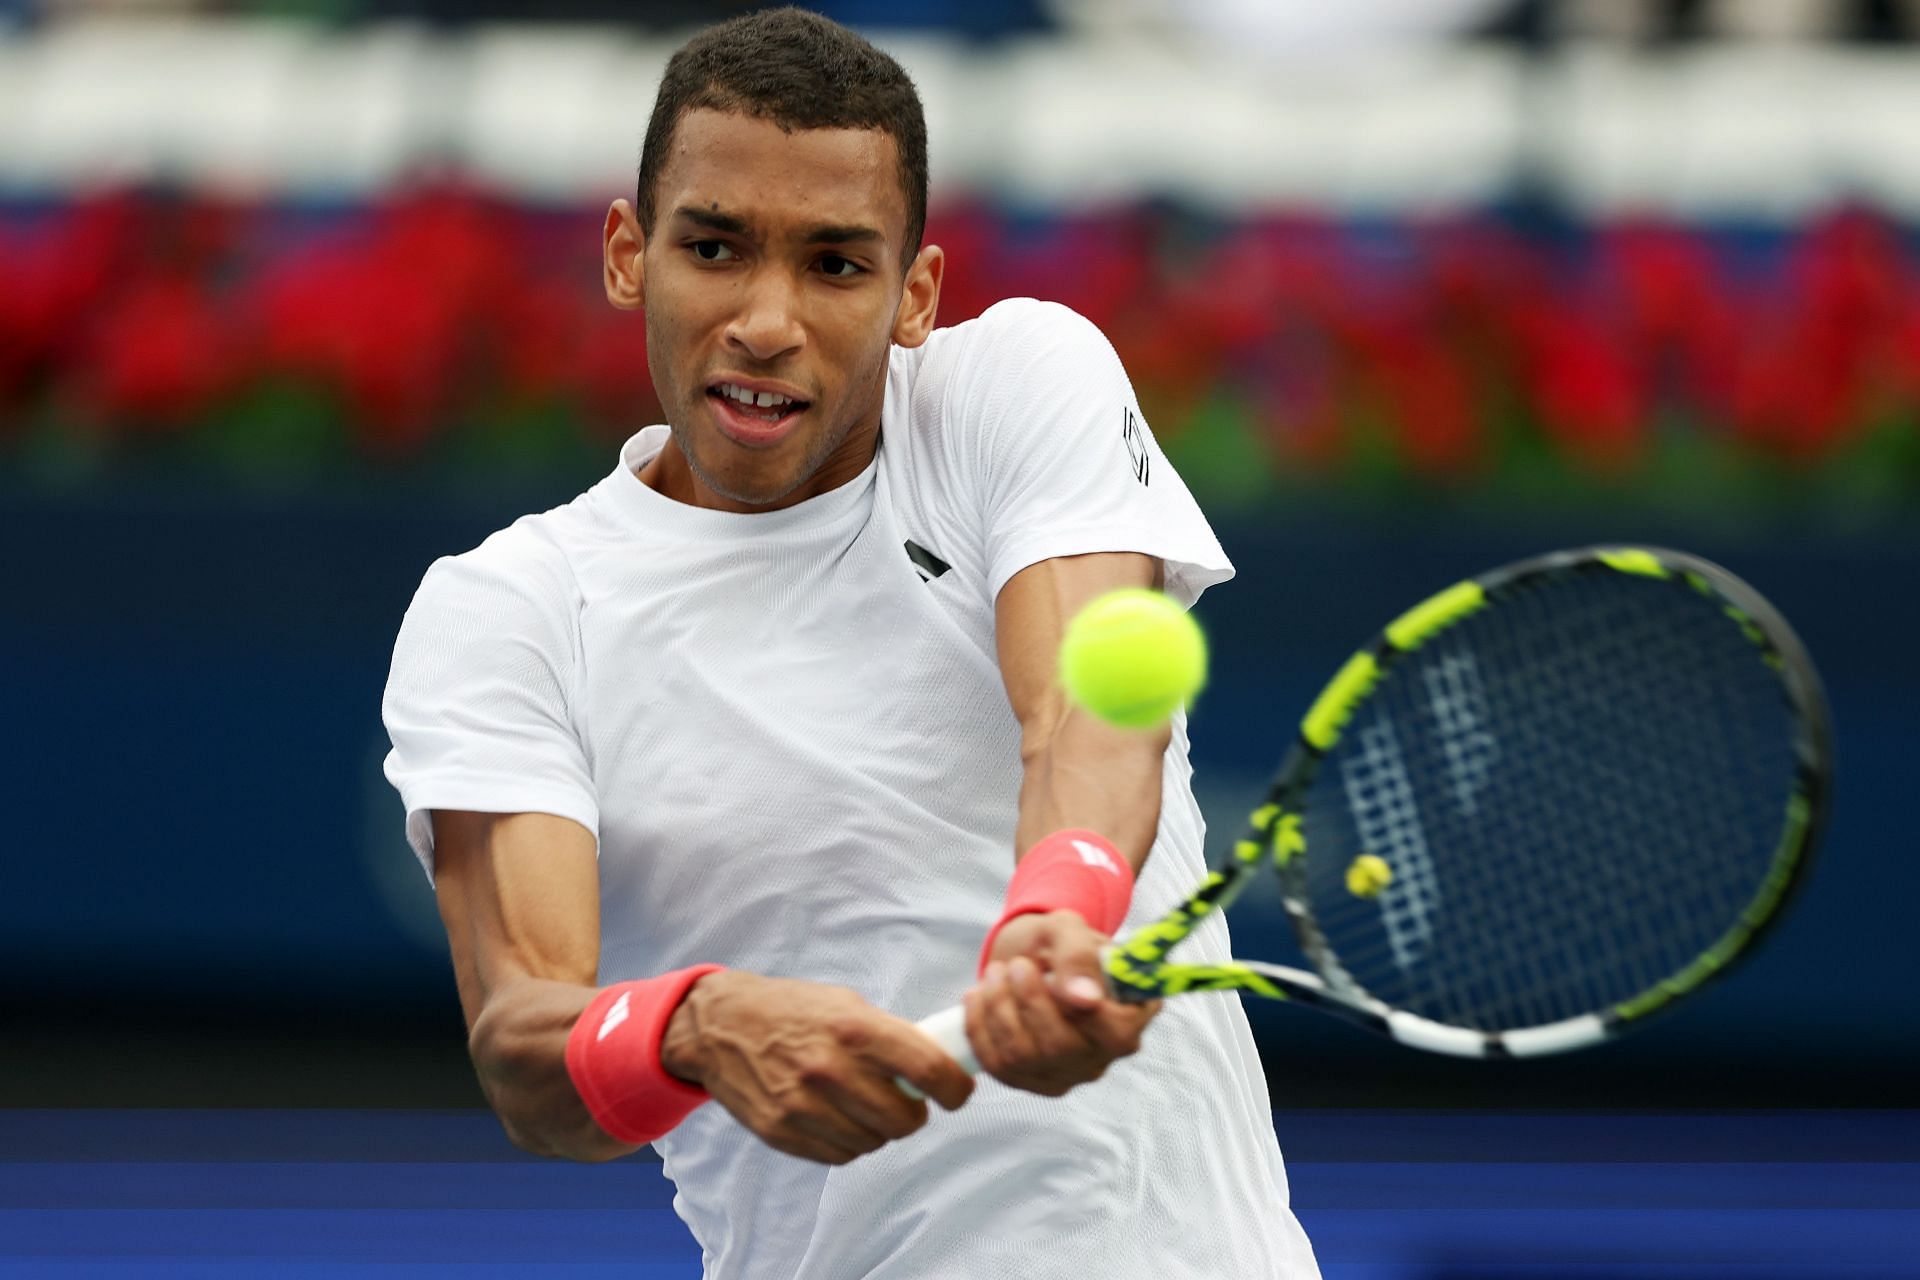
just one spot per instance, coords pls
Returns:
(1081, 772)
(1040, 1019)
(519, 1048)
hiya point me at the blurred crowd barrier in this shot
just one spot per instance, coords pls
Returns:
(274, 252)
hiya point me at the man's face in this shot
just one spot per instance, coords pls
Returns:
(773, 288)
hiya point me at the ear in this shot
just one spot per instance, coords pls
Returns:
(622, 244)
(920, 298)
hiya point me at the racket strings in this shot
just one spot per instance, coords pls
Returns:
(1577, 790)
(1634, 940)
(1652, 936)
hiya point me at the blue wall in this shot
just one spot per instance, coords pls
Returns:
(195, 816)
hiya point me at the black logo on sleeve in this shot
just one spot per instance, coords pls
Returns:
(1136, 437)
(930, 565)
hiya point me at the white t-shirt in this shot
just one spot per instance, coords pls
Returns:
(789, 732)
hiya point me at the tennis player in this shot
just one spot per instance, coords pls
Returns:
(722, 768)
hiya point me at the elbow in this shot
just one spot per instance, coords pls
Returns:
(526, 1084)
(502, 1065)
(585, 1143)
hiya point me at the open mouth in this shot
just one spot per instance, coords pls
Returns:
(754, 416)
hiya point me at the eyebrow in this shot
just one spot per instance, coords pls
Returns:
(826, 233)
(712, 220)
(843, 235)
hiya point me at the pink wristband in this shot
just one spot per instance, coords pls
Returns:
(1073, 870)
(613, 1057)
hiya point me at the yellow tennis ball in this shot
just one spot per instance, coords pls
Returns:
(1368, 875)
(1133, 657)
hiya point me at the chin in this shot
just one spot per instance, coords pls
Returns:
(757, 486)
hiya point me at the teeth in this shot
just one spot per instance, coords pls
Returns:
(761, 400)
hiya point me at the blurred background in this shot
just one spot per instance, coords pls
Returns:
(297, 295)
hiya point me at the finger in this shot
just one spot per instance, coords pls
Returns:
(830, 1137)
(998, 1015)
(1047, 1027)
(805, 1146)
(943, 1080)
(1079, 982)
(984, 1051)
(897, 1048)
(1117, 1027)
(877, 1105)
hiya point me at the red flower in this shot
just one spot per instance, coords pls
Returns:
(1586, 389)
(616, 388)
(161, 356)
(54, 280)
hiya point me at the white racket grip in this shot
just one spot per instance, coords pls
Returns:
(948, 1029)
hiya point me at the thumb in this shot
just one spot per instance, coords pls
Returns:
(1079, 986)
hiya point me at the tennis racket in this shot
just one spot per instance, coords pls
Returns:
(1537, 808)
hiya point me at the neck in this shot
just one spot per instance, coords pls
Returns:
(670, 473)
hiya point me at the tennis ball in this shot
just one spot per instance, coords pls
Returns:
(1368, 875)
(1133, 657)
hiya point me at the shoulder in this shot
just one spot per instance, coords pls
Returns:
(986, 396)
(1016, 318)
(1016, 332)
(1017, 354)
(487, 627)
(522, 574)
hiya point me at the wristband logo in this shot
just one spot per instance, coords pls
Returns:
(1094, 856)
(615, 1016)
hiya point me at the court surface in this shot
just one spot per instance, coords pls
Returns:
(1385, 1196)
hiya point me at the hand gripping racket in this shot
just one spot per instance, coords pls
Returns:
(1538, 807)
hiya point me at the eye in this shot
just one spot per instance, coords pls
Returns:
(712, 250)
(838, 268)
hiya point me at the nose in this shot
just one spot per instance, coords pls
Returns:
(767, 325)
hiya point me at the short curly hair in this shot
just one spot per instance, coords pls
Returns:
(799, 71)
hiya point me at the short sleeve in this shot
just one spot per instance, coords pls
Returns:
(1065, 461)
(478, 703)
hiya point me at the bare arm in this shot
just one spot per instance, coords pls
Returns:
(1079, 770)
(520, 896)
(808, 1068)
(1039, 1020)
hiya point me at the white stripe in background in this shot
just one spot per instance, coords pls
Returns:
(294, 109)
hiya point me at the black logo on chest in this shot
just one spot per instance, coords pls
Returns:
(929, 565)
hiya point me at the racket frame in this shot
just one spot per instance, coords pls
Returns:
(1138, 967)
